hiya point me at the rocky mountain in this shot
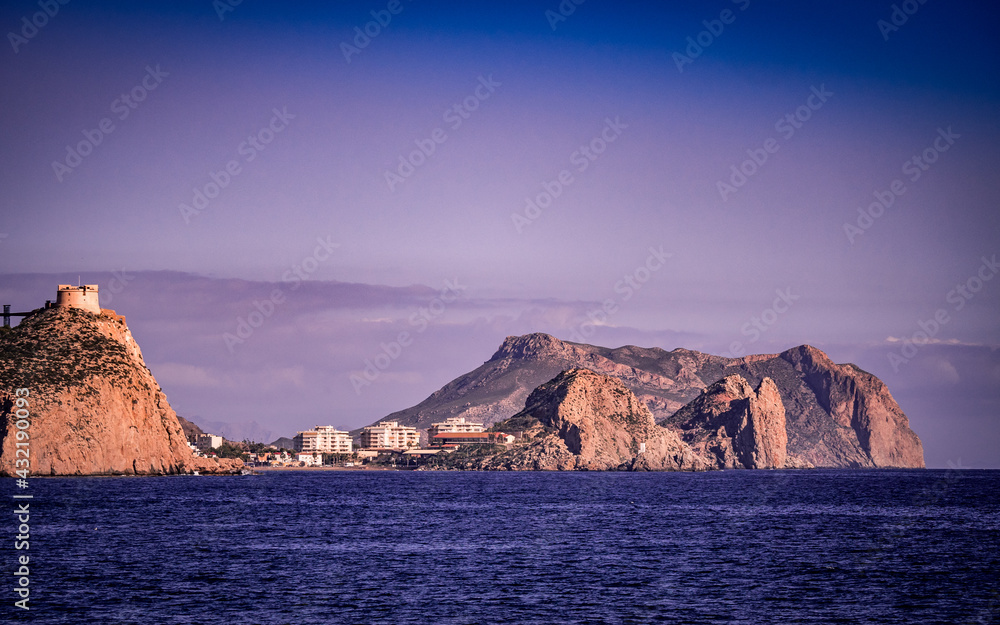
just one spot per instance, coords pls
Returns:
(235, 431)
(737, 426)
(835, 415)
(190, 429)
(586, 421)
(283, 443)
(94, 407)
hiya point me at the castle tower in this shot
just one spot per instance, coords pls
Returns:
(84, 297)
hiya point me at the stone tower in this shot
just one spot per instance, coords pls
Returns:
(83, 297)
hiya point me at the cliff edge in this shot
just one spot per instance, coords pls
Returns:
(95, 408)
(738, 426)
(582, 420)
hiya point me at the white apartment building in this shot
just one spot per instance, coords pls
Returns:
(324, 439)
(389, 435)
(310, 460)
(208, 441)
(453, 424)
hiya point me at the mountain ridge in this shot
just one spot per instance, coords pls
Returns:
(836, 415)
(582, 420)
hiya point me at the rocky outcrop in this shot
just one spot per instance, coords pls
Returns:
(737, 426)
(94, 407)
(835, 415)
(498, 389)
(858, 402)
(191, 430)
(586, 421)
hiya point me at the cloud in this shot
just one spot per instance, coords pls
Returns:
(945, 371)
(893, 340)
(177, 374)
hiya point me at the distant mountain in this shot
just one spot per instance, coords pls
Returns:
(835, 415)
(283, 443)
(236, 432)
(190, 429)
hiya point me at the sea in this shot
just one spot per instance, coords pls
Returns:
(470, 548)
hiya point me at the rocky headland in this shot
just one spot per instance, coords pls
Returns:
(737, 426)
(586, 421)
(97, 410)
(798, 408)
(95, 407)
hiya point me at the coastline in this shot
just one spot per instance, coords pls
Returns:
(326, 468)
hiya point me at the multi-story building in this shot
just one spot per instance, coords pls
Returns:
(310, 460)
(389, 435)
(208, 441)
(451, 439)
(324, 439)
(453, 424)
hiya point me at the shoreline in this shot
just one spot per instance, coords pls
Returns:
(326, 468)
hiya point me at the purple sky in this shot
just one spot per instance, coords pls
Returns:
(529, 97)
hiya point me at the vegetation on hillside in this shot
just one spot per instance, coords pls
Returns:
(58, 348)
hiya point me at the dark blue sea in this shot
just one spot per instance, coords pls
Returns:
(527, 548)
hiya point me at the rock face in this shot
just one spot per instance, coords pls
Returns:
(859, 402)
(586, 421)
(191, 430)
(94, 407)
(737, 426)
(835, 415)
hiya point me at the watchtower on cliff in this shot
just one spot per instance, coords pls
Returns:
(83, 297)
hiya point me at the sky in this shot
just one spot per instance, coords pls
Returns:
(279, 196)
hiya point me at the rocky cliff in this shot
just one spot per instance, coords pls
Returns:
(835, 415)
(95, 407)
(857, 403)
(191, 430)
(737, 426)
(586, 421)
